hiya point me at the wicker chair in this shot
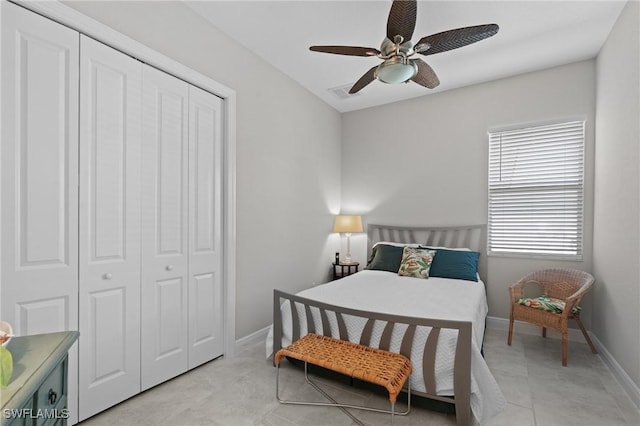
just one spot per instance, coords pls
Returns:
(569, 286)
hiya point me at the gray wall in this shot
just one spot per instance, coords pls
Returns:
(424, 161)
(616, 253)
(288, 153)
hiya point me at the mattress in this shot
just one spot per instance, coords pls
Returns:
(436, 298)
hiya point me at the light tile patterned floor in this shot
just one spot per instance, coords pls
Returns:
(241, 391)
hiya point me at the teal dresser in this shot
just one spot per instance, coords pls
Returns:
(37, 393)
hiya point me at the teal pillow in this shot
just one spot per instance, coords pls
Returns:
(385, 258)
(456, 264)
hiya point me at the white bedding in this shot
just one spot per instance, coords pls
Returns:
(437, 298)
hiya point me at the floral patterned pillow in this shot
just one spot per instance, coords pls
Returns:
(416, 262)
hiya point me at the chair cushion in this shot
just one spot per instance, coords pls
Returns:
(546, 303)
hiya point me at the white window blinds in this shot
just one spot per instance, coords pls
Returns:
(536, 178)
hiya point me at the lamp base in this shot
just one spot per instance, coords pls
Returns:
(347, 258)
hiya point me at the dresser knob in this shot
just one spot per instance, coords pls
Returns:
(107, 276)
(169, 267)
(52, 397)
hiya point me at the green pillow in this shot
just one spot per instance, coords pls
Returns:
(456, 264)
(385, 258)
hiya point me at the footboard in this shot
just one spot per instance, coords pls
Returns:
(462, 358)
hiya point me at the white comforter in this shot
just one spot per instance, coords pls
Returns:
(437, 298)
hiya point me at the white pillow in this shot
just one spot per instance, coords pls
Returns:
(445, 248)
(390, 243)
(418, 245)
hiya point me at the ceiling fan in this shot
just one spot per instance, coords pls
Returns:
(396, 48)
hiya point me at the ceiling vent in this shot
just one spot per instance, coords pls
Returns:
(342, 92)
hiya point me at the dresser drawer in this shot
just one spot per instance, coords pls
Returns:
(22, 418)
(51, 396)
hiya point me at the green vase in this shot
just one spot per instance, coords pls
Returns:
(6, 366)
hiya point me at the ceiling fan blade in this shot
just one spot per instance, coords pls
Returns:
(453, 39)
(402, 19)
(367, 78)
(346, 50)
(425, 76)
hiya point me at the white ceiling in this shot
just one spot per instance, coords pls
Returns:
(533, 35)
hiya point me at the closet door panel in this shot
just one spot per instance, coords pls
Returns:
(164, 227)
(39, 167)
(206, 309)
(110, 132)
(39, 182)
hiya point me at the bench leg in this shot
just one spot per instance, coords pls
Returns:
(334, 403)
(393, 410)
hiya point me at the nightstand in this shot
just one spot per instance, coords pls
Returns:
(343, 269)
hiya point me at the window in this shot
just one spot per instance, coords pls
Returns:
(536, 178)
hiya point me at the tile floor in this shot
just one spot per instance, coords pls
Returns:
(241, 391)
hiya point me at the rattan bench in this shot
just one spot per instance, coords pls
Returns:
(377, 366)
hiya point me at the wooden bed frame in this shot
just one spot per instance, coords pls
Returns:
(473, 237)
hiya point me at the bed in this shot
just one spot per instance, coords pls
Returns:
(438, 323)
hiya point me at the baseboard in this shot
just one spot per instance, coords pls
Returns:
(621, 376)
(632, 390)
(251, 340)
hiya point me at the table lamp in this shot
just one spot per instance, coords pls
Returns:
(347, 224)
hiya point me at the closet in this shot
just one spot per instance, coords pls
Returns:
(111, 223)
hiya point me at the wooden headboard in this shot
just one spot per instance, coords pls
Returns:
(473, 237)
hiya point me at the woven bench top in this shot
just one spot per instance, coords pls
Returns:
(383, 368)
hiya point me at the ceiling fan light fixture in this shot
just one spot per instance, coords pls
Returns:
(396, 70)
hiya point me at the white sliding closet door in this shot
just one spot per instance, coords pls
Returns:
(164, 227)
(39, 163)
(110, 132)
(206, 307)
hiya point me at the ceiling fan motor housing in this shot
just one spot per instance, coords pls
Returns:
(388, 48)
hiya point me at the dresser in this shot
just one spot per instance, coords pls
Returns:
(37, 392)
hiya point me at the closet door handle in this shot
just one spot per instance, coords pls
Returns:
(107, 276)
(169, 267)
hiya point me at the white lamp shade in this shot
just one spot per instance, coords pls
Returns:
(396, 73)
(348, 224)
